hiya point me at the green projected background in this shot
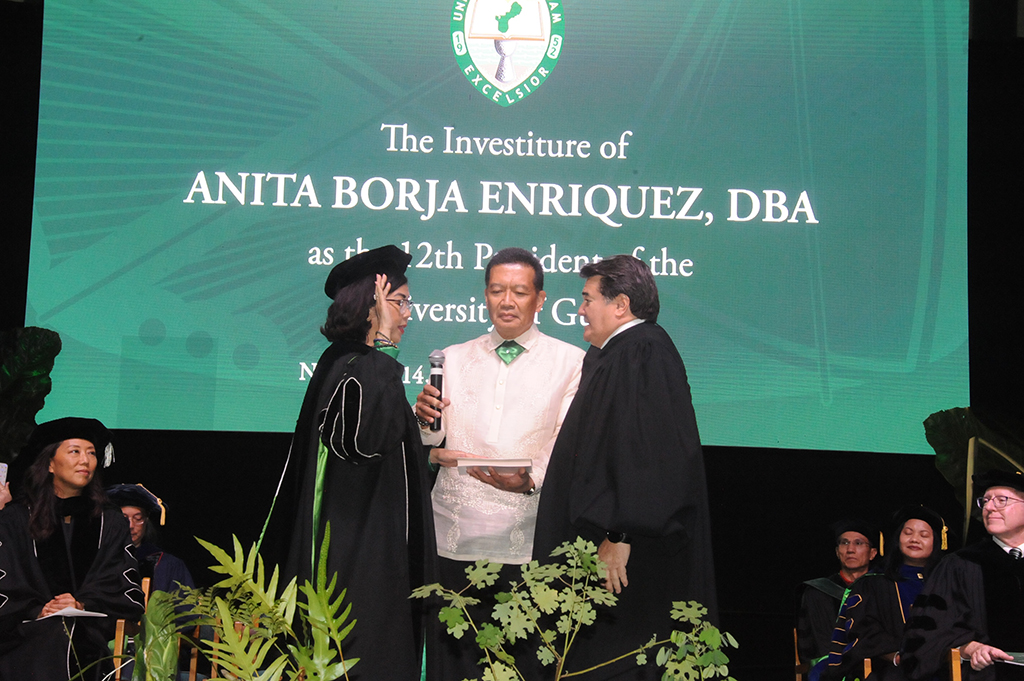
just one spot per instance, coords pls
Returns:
(793, 171)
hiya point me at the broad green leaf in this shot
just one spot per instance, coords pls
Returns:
(711, 637)
(483, 573)
(545, 597)
(489, 636)
(427, 591)
(453, 618)
(500, 672)
(513, 620)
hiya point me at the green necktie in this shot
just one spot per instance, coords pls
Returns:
(508, 351)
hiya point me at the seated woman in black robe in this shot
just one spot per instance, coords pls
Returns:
(66, 571)
(356, 462)
(877, 606)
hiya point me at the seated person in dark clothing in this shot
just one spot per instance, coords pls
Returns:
(855, 542)
(975, 598)
(64, 553)
(142, 509)
(871, 622)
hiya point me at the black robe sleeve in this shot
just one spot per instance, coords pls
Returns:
(816, 618)
(23, 591)
(111, 585)
(363, 419)
(641, 468)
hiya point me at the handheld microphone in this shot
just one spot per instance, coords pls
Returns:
(436, 360)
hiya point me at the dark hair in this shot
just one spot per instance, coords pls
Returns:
(41, 499)
(348, 315)
(630, 276)
(894, 560)
(516, 256)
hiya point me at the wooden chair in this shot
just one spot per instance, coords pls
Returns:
(125, 630)
(955, 673)
(801, 668)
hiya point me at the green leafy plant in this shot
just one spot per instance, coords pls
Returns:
(552, 603)
(26, 360)
(252, 621)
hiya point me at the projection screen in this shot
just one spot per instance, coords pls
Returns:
(793, 172)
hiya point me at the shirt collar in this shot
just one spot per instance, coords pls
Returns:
(628, 325)
(1004, 546)
(527, 339)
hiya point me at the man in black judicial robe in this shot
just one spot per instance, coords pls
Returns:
(974, 599)
(820, 598)
(627, 472)
(356, 461)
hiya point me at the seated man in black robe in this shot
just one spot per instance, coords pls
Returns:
(143, 510)
(975, 598)
(855, 542)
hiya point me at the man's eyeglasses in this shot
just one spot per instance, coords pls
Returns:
(856, 543)
(999, 502)
(404, 304)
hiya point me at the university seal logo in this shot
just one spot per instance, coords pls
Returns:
(507, 48)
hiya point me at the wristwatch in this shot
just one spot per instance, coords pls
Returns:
(617, 537)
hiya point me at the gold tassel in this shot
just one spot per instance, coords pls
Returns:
(945, 531)
(160, 503)
(881, 543)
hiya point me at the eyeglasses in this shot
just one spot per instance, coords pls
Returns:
(999, 502)
(404, 304)
(856, 543)
(135, 520)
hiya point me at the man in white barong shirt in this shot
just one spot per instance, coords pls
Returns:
(495, 407)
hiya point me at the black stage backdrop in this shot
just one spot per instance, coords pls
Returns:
(770, 508)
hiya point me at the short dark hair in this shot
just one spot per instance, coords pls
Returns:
(348, 316)
(516, 256)
(630, 276)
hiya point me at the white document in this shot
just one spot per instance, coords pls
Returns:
(70, 612)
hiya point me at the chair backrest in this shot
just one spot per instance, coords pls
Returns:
(124, 630)
(801, 668)
(954, 665)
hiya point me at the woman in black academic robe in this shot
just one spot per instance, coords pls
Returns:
(64, 550)
(877, 606)
(356, 462)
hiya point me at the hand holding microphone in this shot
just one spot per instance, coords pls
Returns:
(430, 402)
